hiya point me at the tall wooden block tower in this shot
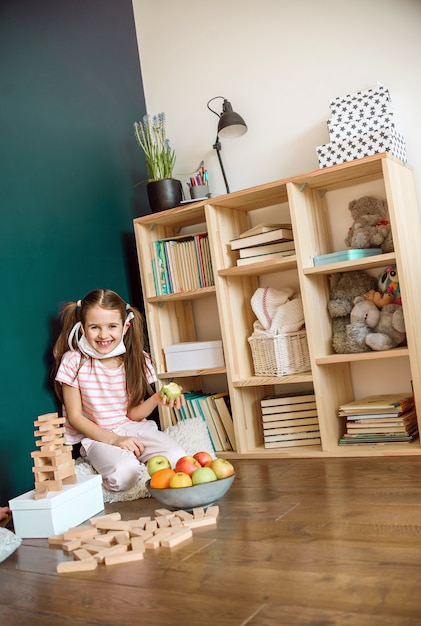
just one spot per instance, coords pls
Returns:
(53, 463)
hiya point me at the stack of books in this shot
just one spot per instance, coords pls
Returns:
(181, 264)
(263, 243)
(290, 421)
(214, 410)
(388, 418)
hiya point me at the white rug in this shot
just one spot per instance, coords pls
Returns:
(191, 434)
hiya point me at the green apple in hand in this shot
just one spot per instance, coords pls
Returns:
(172, 390)
(156, 463)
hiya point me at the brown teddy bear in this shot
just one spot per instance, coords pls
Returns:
(370, 228)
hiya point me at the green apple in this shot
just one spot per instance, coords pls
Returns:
(156, 463)
(222, 468)
(203, 475)
(179, 480)
(172, 390)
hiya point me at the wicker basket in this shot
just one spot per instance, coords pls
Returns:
(280, 355)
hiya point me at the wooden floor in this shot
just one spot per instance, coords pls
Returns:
(298, 542)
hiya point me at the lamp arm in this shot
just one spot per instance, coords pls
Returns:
(217, 146)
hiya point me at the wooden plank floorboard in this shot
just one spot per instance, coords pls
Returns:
(306, 542)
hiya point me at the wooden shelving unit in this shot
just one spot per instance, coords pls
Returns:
(304, 200)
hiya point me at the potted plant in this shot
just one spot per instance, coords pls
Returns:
(164, 192)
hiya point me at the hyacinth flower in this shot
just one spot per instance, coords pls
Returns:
(150, 134)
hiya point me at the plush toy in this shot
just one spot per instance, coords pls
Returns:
(379, 329)
(370, 228)
(343, 289)
(388, 290)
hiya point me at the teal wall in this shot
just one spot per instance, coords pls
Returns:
(70, 90)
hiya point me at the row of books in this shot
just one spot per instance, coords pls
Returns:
(181, 264)
(263, 243)
(214, 409)
(387, 418)
(290, 421)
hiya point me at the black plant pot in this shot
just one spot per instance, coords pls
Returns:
(164, 194)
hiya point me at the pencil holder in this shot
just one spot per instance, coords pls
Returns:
(199, 191)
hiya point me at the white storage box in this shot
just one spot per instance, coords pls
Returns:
(364, 145)
(362, 103)
(59, 511)
(194, 355)
(345, 130)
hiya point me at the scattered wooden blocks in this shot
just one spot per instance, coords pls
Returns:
(108, 540)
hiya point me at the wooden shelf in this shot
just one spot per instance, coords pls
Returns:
(304, 201)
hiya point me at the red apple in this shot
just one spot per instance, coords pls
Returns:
(187, 464)
(179, 480)
(157, 462)
(204, 458)
(222, 468)
(203, 475)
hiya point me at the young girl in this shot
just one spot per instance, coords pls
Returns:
(103, 378)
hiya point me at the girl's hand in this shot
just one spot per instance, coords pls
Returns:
(5, 515)
(130, 443)
(172, 402)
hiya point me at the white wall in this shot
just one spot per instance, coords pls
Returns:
(278, 63)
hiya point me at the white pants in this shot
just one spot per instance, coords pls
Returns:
(120, 469)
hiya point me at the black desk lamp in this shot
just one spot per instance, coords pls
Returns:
(230, 125)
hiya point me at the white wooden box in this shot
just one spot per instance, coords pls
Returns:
(194, 355)
(59, 511)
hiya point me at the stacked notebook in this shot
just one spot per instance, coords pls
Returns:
(388, 418)
(263, 243)
(290, 421)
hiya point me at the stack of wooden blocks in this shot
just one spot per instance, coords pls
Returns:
(290, 421)
(53, 465)
(109, 540)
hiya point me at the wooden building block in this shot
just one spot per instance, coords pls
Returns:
(111, 517)
(162, 521)
(118, 549)
(138, 544)
(47, 417)
(155, 541)
(139, 532)
(81, 554)
(212, 511)
(176, 538)
(128, 557)
(184, 515)
(112, 525)
(175, 521)
(84, 531)
(200, 521)
(46, 424)
(123, 538)
(100, 541)
(198, 511)
(151, 526)
(56, 541)
(84, 565)
(165, 512)
(73, 544)
(140, 522)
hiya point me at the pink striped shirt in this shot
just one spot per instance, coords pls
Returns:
(102, 391)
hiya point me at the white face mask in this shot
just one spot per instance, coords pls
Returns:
(88, 350)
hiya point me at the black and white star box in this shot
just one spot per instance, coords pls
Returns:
(375, 142)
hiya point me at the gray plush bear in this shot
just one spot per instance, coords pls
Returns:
(378, 329)
(370, 228)
(343, 289)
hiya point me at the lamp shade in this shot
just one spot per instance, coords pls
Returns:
(230, 123)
